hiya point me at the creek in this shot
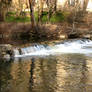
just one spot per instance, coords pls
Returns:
(57, 67)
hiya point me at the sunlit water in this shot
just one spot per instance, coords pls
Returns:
(63, 72)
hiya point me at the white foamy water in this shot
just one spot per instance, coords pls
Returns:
(75, 46)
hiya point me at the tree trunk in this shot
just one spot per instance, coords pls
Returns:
(55, 6)
(49, 10)
(52, 7)
(34, 30)
(40, 11)
(31, 2)
(85, 5)
(4, 5)
(49, 13)
(2, 15)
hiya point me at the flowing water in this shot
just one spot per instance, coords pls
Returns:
(82, 46)
(61, 67)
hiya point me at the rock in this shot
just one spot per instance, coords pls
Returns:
(7, 56)
(87, 36)
(5, 46)
(63, 36)
(73, 35)
(6, 50)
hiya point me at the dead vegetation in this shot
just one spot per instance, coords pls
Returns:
(22, 32)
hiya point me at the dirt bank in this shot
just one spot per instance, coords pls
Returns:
(21, 32)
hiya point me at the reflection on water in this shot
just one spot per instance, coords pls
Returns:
(63, 73)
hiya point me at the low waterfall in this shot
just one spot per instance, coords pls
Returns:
(82, 46)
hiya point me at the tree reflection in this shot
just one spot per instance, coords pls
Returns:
(48, 74)
(5, 75)
(64, 73)
(43, 75)
(31, 74)
(71, 73)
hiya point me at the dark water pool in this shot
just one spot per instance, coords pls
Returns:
(62, 73)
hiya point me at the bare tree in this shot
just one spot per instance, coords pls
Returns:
(33, 22)
(85, 3)
(34, 31)
(51, 4)
(4, 4)
(55, 5)
(40, 11)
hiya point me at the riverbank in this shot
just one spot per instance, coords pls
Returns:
(12, 33)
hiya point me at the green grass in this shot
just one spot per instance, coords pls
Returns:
(11, 13)
(17, 19)
(57, 17)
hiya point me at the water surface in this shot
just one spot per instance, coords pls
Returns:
(58, 67)
(61, 73)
